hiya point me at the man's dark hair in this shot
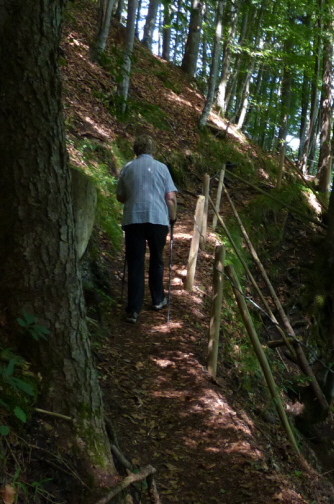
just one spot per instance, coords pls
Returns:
(144, 144)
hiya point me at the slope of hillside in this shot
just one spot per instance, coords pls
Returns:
(202, 436)
(211, 441)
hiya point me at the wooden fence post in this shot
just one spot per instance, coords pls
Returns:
(216, 303)
(204, 227)
(260, 355)
(219, 195)
(191, 267)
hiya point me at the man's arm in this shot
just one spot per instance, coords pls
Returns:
(170, 198)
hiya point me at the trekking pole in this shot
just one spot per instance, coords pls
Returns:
(171, 243)
(123, 279)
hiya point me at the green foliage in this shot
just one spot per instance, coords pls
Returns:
(28, 323)
(101, 164)
(18, 391)
(108, 209)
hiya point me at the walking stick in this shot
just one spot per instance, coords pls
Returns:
(123, 279)
(171, 243)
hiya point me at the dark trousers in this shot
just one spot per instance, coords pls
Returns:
(136, 236)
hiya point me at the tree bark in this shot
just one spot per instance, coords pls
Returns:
(138, 19)
(214, 65)
(324, 163)
(119, 10)
(103, 26)
(177, 36)
(303, 158)
(189, 63)
(150, 24)
(221, 96)
(285, 111)
(123, 88)
(39, 270)
(231, 87)
(166, 32)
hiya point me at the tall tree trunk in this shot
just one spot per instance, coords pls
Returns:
(231, 86)
(161, 24)
(150, 23)
(138, 19)
(305, 100)
(314, 99)
(177, 30)
(204, 46)
(269, 105)
(324, 164)
(245, 94)
(221, 96)
(119, 10)
(189, 63)
(103, 26)
(214, 65)
(284, 121)
(39, 270)
(123, 89)
(166, 31)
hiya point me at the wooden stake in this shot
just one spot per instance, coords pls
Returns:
(219, 195)
(192, 260)
(253, 281)
(204, 227)
(303, 363)
(261, 355)
(218, 271)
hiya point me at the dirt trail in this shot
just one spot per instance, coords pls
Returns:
(167, 412)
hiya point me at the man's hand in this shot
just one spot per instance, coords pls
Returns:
(172, 221)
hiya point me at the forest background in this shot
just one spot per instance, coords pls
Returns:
(265, 67)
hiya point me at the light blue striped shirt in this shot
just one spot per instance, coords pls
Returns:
(144, 182)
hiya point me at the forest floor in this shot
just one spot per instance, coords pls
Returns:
(201, 435)
(205, 437)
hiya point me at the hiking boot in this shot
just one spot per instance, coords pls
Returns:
(161, 305)
(132, 317)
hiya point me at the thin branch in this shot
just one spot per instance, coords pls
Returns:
(52, 413)
(132, 478)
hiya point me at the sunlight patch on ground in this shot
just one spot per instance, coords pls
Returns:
(163, 363)
(96, 126)
(165, 328)
(313, 202)
(263, 174)
(182, 236)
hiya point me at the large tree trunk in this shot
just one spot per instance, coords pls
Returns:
(38, 259)
(324, 164)
(123, 88)
(103, 26)
(214, 65)
(189, 63)
(150, 24)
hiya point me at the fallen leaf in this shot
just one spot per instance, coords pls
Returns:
(8, 494)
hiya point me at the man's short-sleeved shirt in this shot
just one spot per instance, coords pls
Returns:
(144, 182)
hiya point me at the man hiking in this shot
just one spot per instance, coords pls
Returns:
(147, 190)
